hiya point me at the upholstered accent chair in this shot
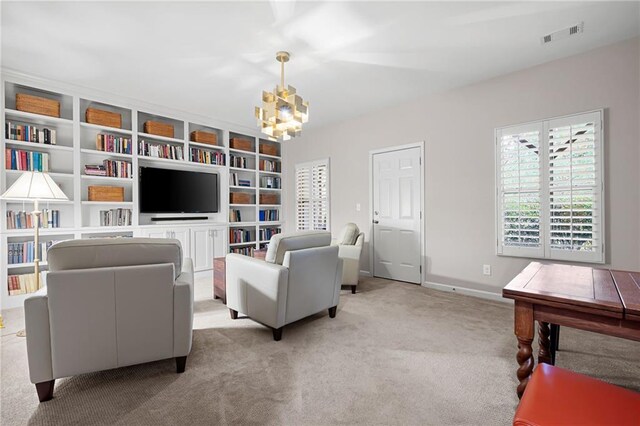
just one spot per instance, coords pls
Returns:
(350, 242)
(109, 303)
(300, 276)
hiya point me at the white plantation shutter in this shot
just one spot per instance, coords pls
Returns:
(575, 188)
(550, 189)
(519, 188)
(312, 195)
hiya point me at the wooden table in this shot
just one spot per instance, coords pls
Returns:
(599, 300)
(220, 275)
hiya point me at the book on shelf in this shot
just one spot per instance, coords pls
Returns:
(270, 182)
(159, 150)
(266, 233)
(25, 252)
(110, 168)
(29, 133)
(112, 143)
(24, 220)
(23, 283)
(247, 251)
(115, 217)
(234, 215)
(269, 166)
(17, 159)
(269, 215)
(238, 162)
(207, 157)
(235, 180)
(239, 235)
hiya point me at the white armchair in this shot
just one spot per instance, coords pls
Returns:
(109, 303)
(350, 242)
(300, 276)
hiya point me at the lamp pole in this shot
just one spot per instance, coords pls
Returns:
(36, 241)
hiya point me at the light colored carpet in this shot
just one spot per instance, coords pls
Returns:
(395, 354)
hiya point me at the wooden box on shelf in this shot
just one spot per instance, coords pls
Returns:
(269, 199)
(158, 128)
(204, 137)
(106, 193)
(239, 198)
(37, 105)
(241, 144)
(268, 149)
(103, 118)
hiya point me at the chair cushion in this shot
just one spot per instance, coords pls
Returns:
(106, 252)
(279, 244)
(348, 235)
(556, 396)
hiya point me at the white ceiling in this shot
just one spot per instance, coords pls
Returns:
(215, 58)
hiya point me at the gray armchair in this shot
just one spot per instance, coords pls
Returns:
(109, 303)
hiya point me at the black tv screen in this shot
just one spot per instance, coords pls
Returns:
(177, 191)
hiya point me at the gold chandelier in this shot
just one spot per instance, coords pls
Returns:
(283, 111)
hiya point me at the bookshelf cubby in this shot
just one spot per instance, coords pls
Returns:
(75, 148)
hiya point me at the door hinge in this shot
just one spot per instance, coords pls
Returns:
(421, 269)
(420, 160)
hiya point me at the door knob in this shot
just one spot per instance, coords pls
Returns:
(375, 222)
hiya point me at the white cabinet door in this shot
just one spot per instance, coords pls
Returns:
(155, 233)
(182, 235)
(202, 248)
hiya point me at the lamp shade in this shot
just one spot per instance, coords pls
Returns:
(34, 186)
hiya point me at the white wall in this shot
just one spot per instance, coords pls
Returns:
(458, 127)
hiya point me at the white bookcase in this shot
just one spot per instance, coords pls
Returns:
(76, 147)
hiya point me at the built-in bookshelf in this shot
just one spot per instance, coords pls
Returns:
(78, 154)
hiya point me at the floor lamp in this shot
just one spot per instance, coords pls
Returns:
(36, 187)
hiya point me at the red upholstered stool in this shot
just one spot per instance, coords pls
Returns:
(555, 396)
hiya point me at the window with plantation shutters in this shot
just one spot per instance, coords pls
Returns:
(550, 189)
(312, 195)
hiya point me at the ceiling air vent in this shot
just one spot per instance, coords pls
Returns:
(564, 33)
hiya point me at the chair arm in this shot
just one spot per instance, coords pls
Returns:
(257, 288)
(36, 318)
(183, 310)
(349, 252)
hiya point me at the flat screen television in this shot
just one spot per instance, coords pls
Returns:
(177, 191)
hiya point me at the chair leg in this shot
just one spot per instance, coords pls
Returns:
(277, 333)
(45, 390)
(181, 363)
(234, 314)
(353, 289)
(332, 311)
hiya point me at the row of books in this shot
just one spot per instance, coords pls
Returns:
(272, 182)
(155, 150)
(25, 252)
(235, 180)
(266, 233)
(239, 162)
(235, 216)
(269, 215)
(115, 217)
(28, 133)
(247, 251)
(110, 168)
(111, 143)
(16, 159)
(24, 220)
(239, 235)
(24, 283)
(207, 157)
(270, 166)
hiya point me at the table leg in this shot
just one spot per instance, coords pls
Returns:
(544, 352)
(524, 330)
(554, 337)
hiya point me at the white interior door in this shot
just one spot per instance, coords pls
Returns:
(397, 191)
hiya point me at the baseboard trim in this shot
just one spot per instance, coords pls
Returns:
(365, 273)
(497, 297)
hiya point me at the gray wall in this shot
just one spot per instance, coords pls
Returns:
(458, 130)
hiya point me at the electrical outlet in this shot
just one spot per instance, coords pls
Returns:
(357, 207)
(486, 269)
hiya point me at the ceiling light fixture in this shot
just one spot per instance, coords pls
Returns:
(283, 111)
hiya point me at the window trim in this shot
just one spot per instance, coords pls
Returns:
(310, 165)
(545, 251)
